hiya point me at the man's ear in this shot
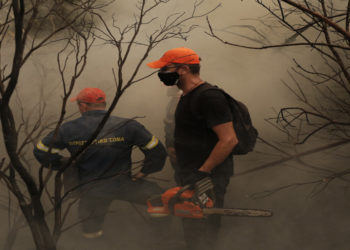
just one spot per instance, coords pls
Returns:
(183, 69)
(82, 106)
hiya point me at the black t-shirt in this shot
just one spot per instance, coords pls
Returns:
(194, 138)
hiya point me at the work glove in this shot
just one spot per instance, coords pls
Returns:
(204, 189)
(202, 184)
(64, 161)
(195, 176)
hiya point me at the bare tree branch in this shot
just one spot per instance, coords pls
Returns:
(285, 159)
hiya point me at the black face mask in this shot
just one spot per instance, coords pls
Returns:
(168, 78)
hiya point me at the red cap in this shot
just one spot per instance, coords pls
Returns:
(90, 95)
(178, 55)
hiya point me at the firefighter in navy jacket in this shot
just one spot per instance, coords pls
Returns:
(107, 159)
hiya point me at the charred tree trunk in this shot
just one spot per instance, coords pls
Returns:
(35, 217)
(41, 234)
(10, 239)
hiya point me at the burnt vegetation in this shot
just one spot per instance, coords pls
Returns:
(321, 115)
(70, 28)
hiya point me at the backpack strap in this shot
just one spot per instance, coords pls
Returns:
(195, 97)
(207, 86)
(243, 126)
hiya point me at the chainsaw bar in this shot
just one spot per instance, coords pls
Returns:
(238, 212)
(179, 201)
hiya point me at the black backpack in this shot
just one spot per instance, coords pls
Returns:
(245, 131)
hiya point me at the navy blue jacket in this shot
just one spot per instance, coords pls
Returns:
(110, 152)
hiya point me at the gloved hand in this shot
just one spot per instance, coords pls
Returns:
(195, 176)
(204, 189)
(202, 184)
(64, 161)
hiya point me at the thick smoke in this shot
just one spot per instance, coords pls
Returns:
(300, 221)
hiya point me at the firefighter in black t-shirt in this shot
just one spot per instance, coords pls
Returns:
(204, 137)
(104, 169)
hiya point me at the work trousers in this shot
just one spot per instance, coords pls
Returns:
(176, 168)
(96, 199)
(202, 234)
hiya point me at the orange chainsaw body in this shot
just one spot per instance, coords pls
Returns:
(183, 206)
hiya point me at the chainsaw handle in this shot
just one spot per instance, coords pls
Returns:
(175, 198)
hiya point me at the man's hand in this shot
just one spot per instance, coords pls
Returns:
(171, 153)
(64, 160)
(227, 141)
(138, 176)
(196, 176)
(204, 188)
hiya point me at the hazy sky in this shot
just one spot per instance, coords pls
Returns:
(251, 76)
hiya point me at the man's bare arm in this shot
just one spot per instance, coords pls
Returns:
(227, 141)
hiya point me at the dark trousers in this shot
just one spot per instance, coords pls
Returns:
(202, 234)
(176, 168)
(95, 199)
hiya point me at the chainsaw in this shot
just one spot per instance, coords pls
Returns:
(191, 203)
